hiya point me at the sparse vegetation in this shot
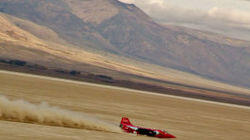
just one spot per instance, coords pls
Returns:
(17, 62)
(13, 62)
(74, 72)
(19, 65)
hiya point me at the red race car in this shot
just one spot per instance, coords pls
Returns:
(129, 128)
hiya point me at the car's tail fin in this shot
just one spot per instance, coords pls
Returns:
(125, 120)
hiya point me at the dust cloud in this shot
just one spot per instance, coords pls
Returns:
(44, 114)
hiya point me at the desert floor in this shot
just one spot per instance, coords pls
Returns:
(186, 119)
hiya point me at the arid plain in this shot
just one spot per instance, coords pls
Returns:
(186, 119)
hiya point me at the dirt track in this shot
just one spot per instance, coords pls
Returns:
(186, 119)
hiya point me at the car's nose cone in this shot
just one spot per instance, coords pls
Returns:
(169, 136)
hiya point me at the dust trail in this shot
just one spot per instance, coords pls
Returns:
(43, 113)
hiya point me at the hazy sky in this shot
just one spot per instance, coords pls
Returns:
(229, 17)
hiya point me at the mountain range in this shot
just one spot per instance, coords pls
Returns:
(117, 36)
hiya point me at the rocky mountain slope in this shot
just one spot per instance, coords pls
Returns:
(109, 26)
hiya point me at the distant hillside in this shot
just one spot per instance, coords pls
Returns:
(109, 26)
